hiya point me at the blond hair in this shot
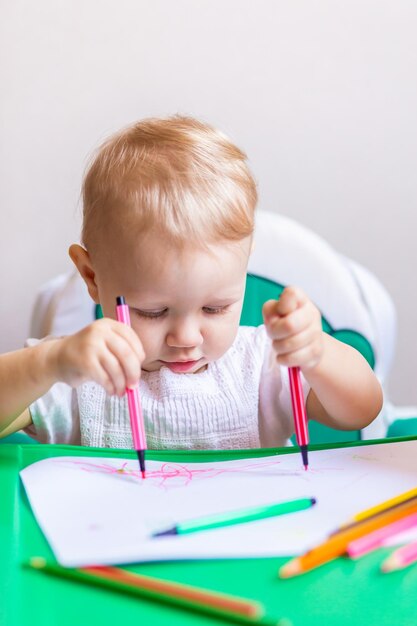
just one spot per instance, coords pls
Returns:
(176, 175)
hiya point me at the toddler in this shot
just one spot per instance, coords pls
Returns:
(168, 223)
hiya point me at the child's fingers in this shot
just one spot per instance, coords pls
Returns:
(291, 324)
(114, 374)
(107, 327)
(95, 370)
(296, 341)
(131, 338)
(306, 357)
(106, 351)
(128, 360)
(104, 379)
(290, 300)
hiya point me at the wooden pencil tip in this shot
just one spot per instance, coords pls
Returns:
(390, 565)
(290, 569)
(38, 562)
(385, 569)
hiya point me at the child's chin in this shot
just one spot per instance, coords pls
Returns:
(201, 369)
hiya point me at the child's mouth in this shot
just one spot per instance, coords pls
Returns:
(180, 366)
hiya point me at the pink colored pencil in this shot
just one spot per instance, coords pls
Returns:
(375, 540)
(299, 412)
(133, 400)
(403, 557)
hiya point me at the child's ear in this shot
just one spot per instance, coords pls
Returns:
(82, 262)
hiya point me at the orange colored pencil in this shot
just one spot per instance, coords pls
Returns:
(336, 545)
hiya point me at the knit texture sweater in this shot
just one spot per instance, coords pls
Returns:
(242, 400)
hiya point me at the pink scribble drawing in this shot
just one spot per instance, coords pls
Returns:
(172, 475)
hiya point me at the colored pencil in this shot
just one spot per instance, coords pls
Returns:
(299, 413)
(237, 517)
(373, 516)
(336, 545)
(228, 607)
(381, 507)
(401, 558)
(133, 400)
(379, 510)
(375, 540)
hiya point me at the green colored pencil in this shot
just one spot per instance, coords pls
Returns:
(237, 517)
(221, 605)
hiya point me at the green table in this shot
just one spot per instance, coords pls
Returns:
(341, 592)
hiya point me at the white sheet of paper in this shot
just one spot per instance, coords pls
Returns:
(97, 510)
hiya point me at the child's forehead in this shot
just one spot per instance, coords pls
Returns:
(159, 267)
(219, 261)
(156, 250)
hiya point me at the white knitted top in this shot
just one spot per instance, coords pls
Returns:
(242, 400)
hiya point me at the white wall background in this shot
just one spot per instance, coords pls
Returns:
(322, 94)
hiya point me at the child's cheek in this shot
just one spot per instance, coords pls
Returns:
(224, 334)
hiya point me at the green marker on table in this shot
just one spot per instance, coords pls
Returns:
(237, 517)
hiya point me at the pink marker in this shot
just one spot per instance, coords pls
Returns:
(376, 539)
(135, 409)
(299, 412)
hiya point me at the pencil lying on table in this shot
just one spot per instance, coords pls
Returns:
(403, 557)
(375, 540)
(221, 605)
(337, 544)
(407, 496)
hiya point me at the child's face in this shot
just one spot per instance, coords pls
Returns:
(185, 305)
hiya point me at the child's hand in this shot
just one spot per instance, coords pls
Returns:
(107, 352)
(294, 325)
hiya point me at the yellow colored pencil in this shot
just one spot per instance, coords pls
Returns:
(383, 506)
(408, 496)
(336, 544)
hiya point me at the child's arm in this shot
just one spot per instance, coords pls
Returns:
(344, 393)
(107, 352)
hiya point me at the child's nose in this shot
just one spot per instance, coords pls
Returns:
(184, 335)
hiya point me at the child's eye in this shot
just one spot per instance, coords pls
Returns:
(150, 314)
(212, 310)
